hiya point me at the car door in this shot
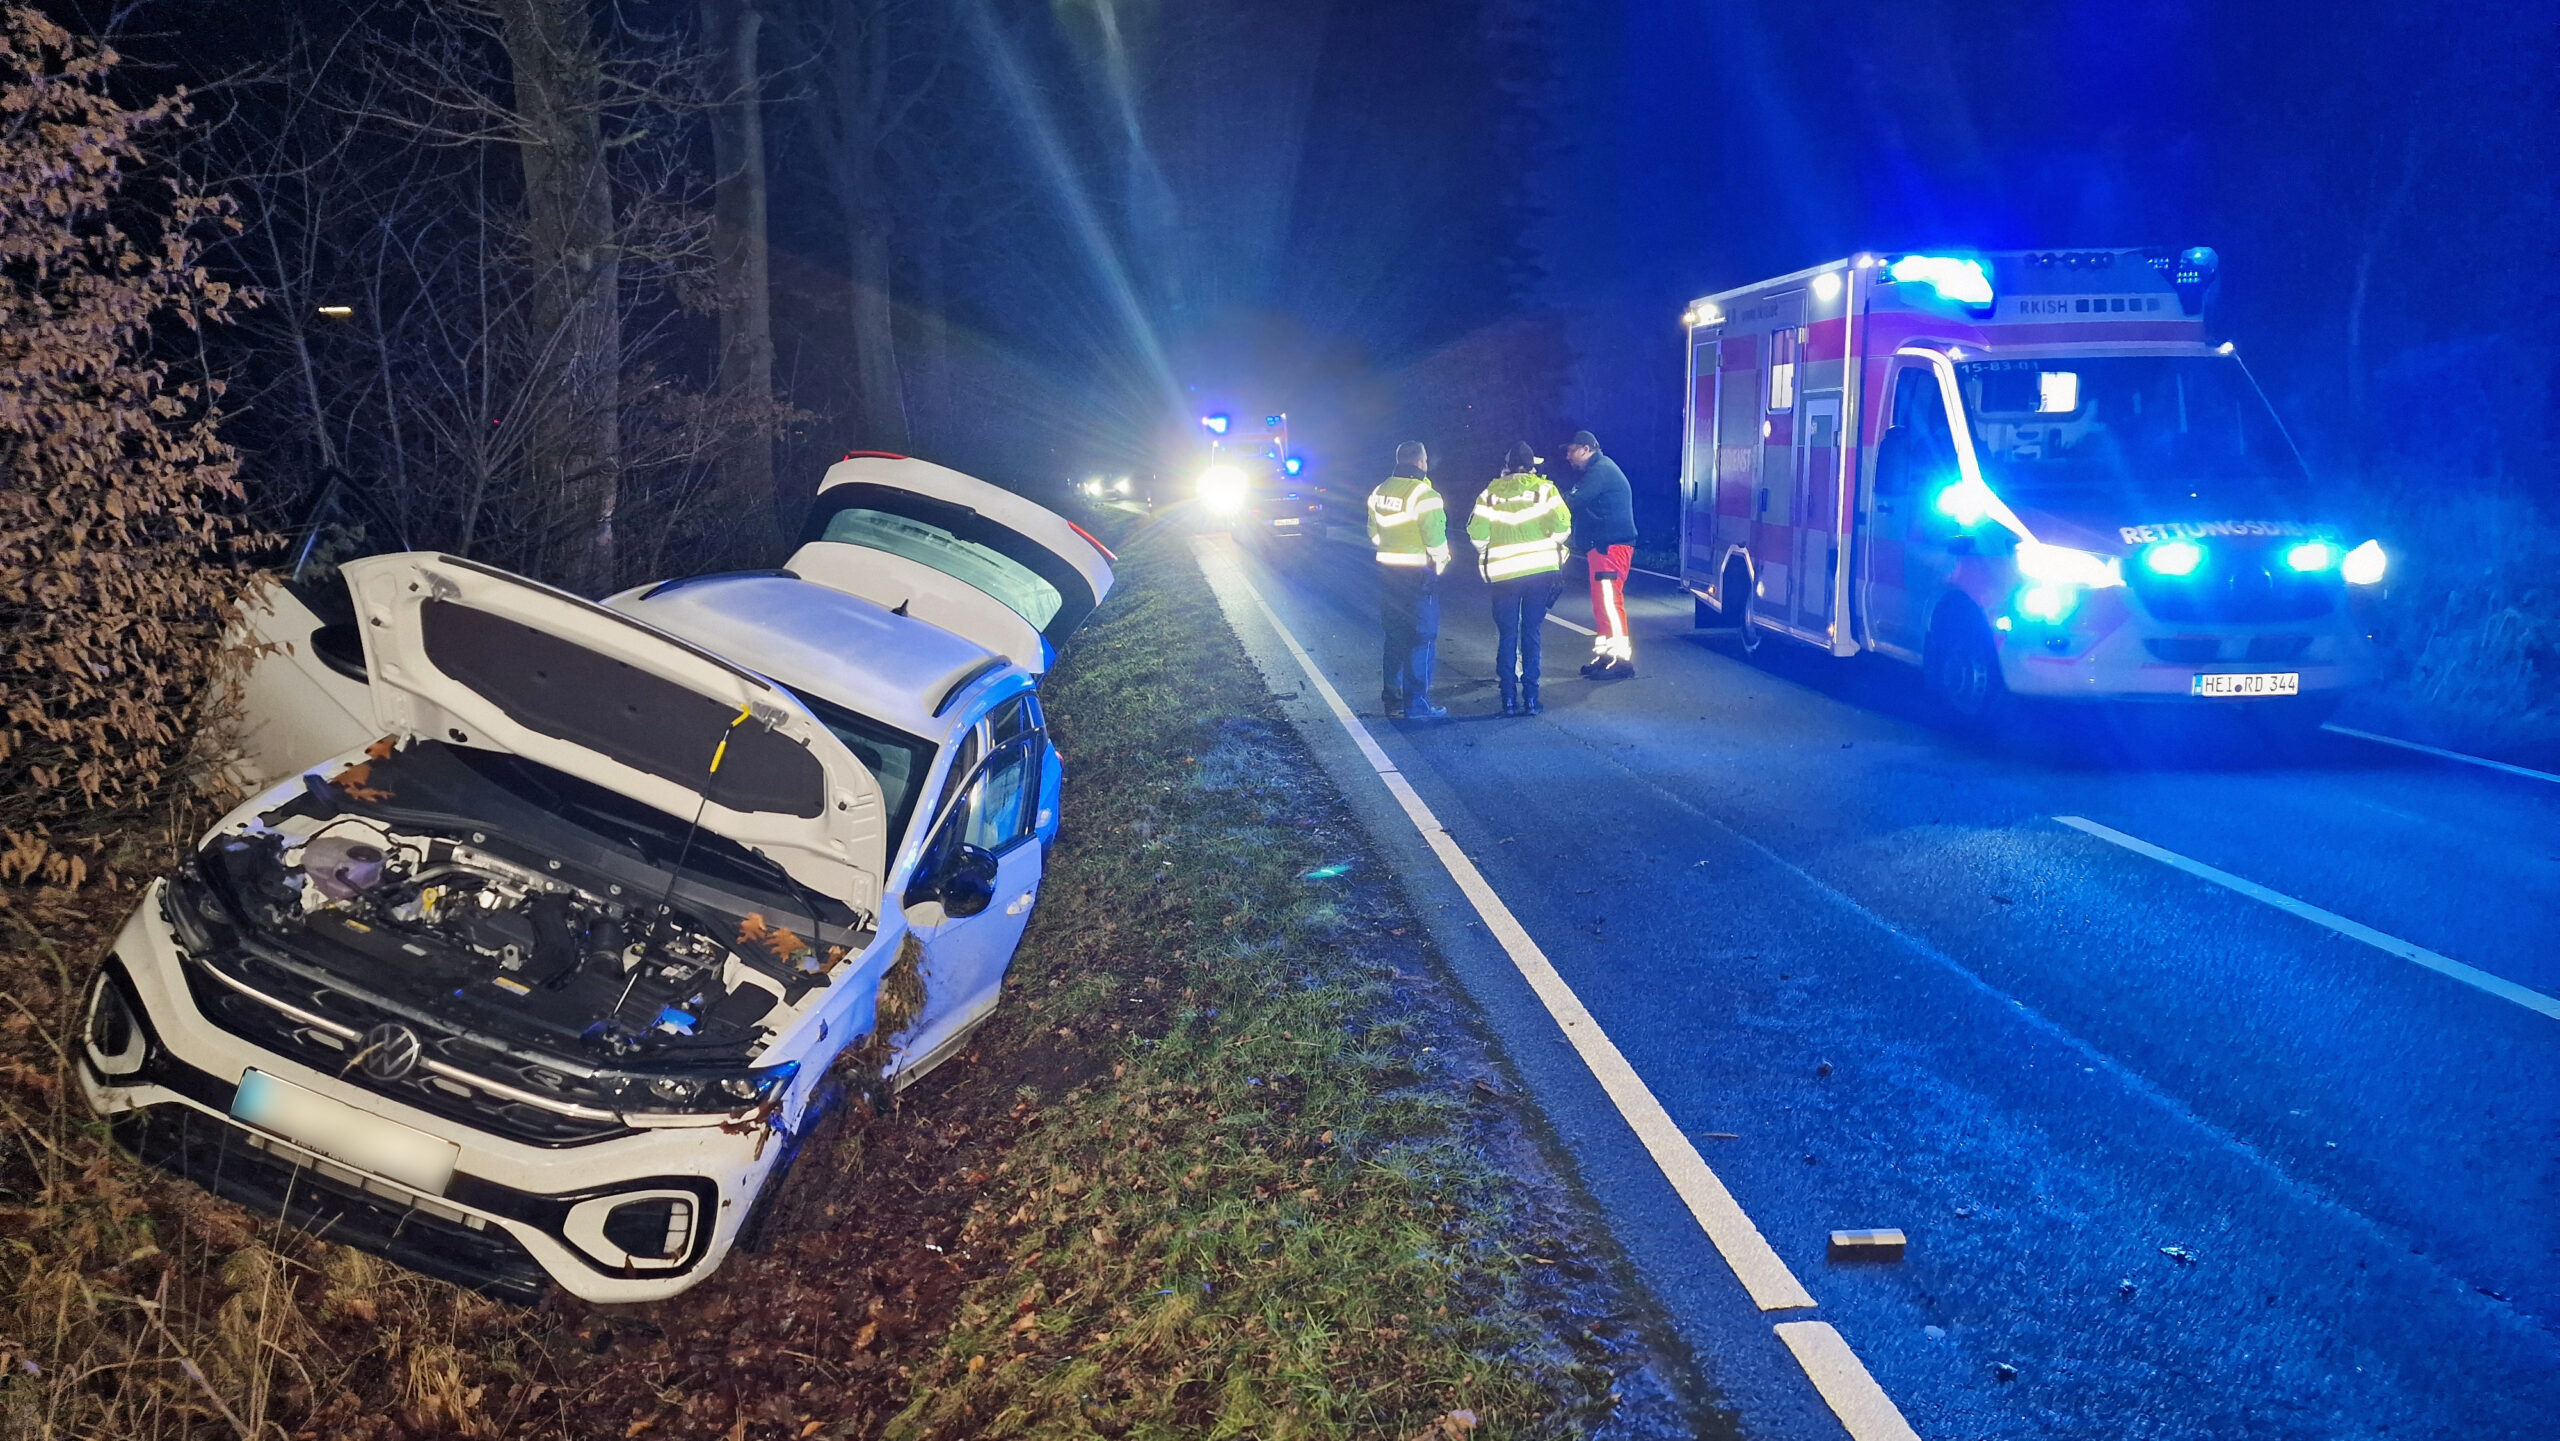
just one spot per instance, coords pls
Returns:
(951, 550)
(303, 695)
(996, 809)
(1817, 510)
(1914, 460)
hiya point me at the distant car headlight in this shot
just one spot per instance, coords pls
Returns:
(1222, 489)
(2061, 565)
(1121, 485)
(2364, 565)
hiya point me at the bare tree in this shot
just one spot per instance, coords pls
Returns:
(732, 32)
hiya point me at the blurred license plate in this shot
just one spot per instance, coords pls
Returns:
(2244, 686)
(1286, 523)
(341, 1132)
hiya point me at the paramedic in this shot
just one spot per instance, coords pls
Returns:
(1519, 528)
(1604, 533)
(1410, 529)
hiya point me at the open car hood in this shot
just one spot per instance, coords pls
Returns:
(948, 549)
(459, 652)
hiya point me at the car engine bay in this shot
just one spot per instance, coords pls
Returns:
(510, 931)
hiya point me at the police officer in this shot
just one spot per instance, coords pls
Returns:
(1410, 529)
(1604, 532)
(1519, 527)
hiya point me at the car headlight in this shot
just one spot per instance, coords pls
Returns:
(2364, 565)
(1222, 489)
(703, 1092)
(2061, 565)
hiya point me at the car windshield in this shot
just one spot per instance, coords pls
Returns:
(1021, 589)
(895, 759)
(2129, 434)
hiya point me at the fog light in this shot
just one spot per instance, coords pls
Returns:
(2365, 564)
(658, 1229)
(114, 1035)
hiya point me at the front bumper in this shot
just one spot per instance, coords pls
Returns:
(515, 1218)
(2110, 649)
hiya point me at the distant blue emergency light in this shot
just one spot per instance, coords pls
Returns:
(1963, 281)
(1214, 424)
(1293, 465)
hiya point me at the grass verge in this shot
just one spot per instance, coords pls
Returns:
(1224, 1164)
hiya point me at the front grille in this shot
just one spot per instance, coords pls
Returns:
(2185, 649)
(219, 1157)
(2236, 585)
(255, 1021)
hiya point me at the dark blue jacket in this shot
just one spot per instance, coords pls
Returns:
(1604, 510)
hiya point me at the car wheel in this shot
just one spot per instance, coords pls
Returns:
(1962, 667)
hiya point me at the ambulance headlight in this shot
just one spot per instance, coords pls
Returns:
(2364, 565)
(2311, 555)
(2060, 565)
(1222, 489)
(2173, 557)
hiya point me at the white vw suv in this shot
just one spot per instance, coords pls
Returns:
(524, 962)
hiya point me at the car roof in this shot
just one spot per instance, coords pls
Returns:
(842, 648)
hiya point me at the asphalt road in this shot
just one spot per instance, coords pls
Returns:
(2173, 1162)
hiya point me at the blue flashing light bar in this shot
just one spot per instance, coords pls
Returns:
(1293, 465)
(1215, 424)
(1960, 280)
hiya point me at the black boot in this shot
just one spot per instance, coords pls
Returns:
(1510, 699)
(1529, 704)
(1391, 702)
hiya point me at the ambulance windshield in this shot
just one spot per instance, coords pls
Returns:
(2130, 433)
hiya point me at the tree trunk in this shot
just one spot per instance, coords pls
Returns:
(576, 339)
(744, 485)
(929, 407)
(879, 404)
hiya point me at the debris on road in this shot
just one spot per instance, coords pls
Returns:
(2179, 1254)
(2005, 1371)
(1877, 1245)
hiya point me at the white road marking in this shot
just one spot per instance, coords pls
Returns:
(1771, 1285)
(2442, 754)
(1658, 575)
(2503, 989)
(1569, 625)
(1864, 1410)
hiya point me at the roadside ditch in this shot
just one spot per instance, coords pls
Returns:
(1228, 1161)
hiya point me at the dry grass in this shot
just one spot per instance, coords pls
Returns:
(1201, 1176)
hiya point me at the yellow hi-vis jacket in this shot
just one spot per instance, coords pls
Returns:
(1519, 527)
(1408, 524)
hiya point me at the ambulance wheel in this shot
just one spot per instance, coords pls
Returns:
(1962, 666)
(1738, 606)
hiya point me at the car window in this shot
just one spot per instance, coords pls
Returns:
(897, 760)
(1022, 590)
(964, 763)
(1011, 719)
(1000, 810)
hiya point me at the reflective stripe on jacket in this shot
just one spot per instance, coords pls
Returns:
(1408, 524)
(1519, 527)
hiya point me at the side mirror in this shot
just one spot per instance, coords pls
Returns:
(965, 883)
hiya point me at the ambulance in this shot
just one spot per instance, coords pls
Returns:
(2028, 473)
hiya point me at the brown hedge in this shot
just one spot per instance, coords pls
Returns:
(119, 537)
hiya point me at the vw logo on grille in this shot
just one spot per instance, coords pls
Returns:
(390, 1052)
